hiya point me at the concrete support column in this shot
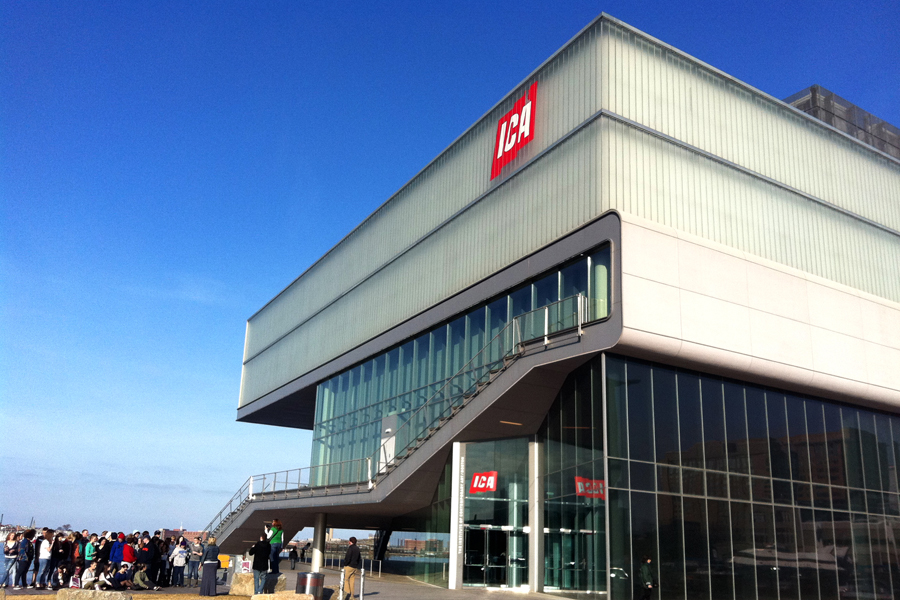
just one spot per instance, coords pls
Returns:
(535, 515)
(457, 516)
(318, 546)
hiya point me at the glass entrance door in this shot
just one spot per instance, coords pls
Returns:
(495, 558)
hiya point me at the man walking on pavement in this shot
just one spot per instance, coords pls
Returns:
(352, 564)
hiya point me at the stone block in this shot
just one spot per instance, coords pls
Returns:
(242, 585)
(77, 594)
(282, 596)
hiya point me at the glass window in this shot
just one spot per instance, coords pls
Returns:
(573, 279)
(818, 450)
(545, 290)
(767, 572)
(671, 546)
(696, 549)
(796, 416)
(852, 452)
(616, 405)
(736, 428)
(757, 432)
(721, 575)
(690, 423)
(600, 283)
(713, 423)
(620, 574)
(665, 412)
(742, 550)
(779, 449)
(640, 411)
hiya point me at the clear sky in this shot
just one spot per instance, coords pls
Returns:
(166, 168)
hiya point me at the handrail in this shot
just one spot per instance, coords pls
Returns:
(356, 475)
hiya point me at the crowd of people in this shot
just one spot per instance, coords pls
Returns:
(49, 559)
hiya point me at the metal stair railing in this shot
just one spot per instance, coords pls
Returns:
(356, 476)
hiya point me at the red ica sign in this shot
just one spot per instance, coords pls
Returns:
(514, 130)
(483, 482)
(590, 488)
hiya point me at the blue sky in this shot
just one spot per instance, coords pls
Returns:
(166, 168)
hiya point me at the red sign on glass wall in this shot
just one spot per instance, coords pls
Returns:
(483, 482)
(515, 130)
(590, 488)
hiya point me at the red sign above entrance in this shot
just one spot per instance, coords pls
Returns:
(515, 130)
(590, 488)
(483, 482)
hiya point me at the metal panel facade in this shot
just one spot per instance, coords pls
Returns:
(451, 226)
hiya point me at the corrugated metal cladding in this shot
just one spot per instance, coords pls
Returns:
(390, 268)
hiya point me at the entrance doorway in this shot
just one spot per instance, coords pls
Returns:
(495, 557)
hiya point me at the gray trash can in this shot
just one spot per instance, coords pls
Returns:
(311, 583)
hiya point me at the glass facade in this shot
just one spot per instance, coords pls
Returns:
(574, 521)
(739, 491)
(495, 522)
(352, 407)
(420, 543)
(734, 491)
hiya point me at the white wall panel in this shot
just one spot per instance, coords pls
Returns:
(647, 82)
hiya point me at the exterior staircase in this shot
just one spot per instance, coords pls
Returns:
(363, 475)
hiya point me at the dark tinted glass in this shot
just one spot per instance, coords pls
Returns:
(835, 442)
(839, 499)
(870, 454)
(643, 528)
(690, 420)
(779, 449)
(785, 536)
(762, 489)
(668, 479)
(618, 473)
(671, 547)
(716, 484)
(643, 476)
(821, 496)
(828, 573)
(764, 529)
(736, 428)
(665, 412)
(796, 415)
(802, 494)
(744, 554)
(617, 440)
(546, 290)
(857, 500)
(758, 432)
(818, 451)
(852, 452)
(620, 543)
(782, 491)
(713, 423)
(740, 487)
(640, 411)
(719, 523)
(696, 549)
(692, 482)
(887, 460)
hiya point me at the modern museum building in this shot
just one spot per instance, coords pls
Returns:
(638, 309)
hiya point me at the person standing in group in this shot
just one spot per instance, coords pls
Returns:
(260, 553)
(24, 558)
(210, 560)
(646, 578)
(10, 553)
(90, 549)
(352, 565)
(45, 552)
(196, 551)
(276, 539)
(179, 556)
